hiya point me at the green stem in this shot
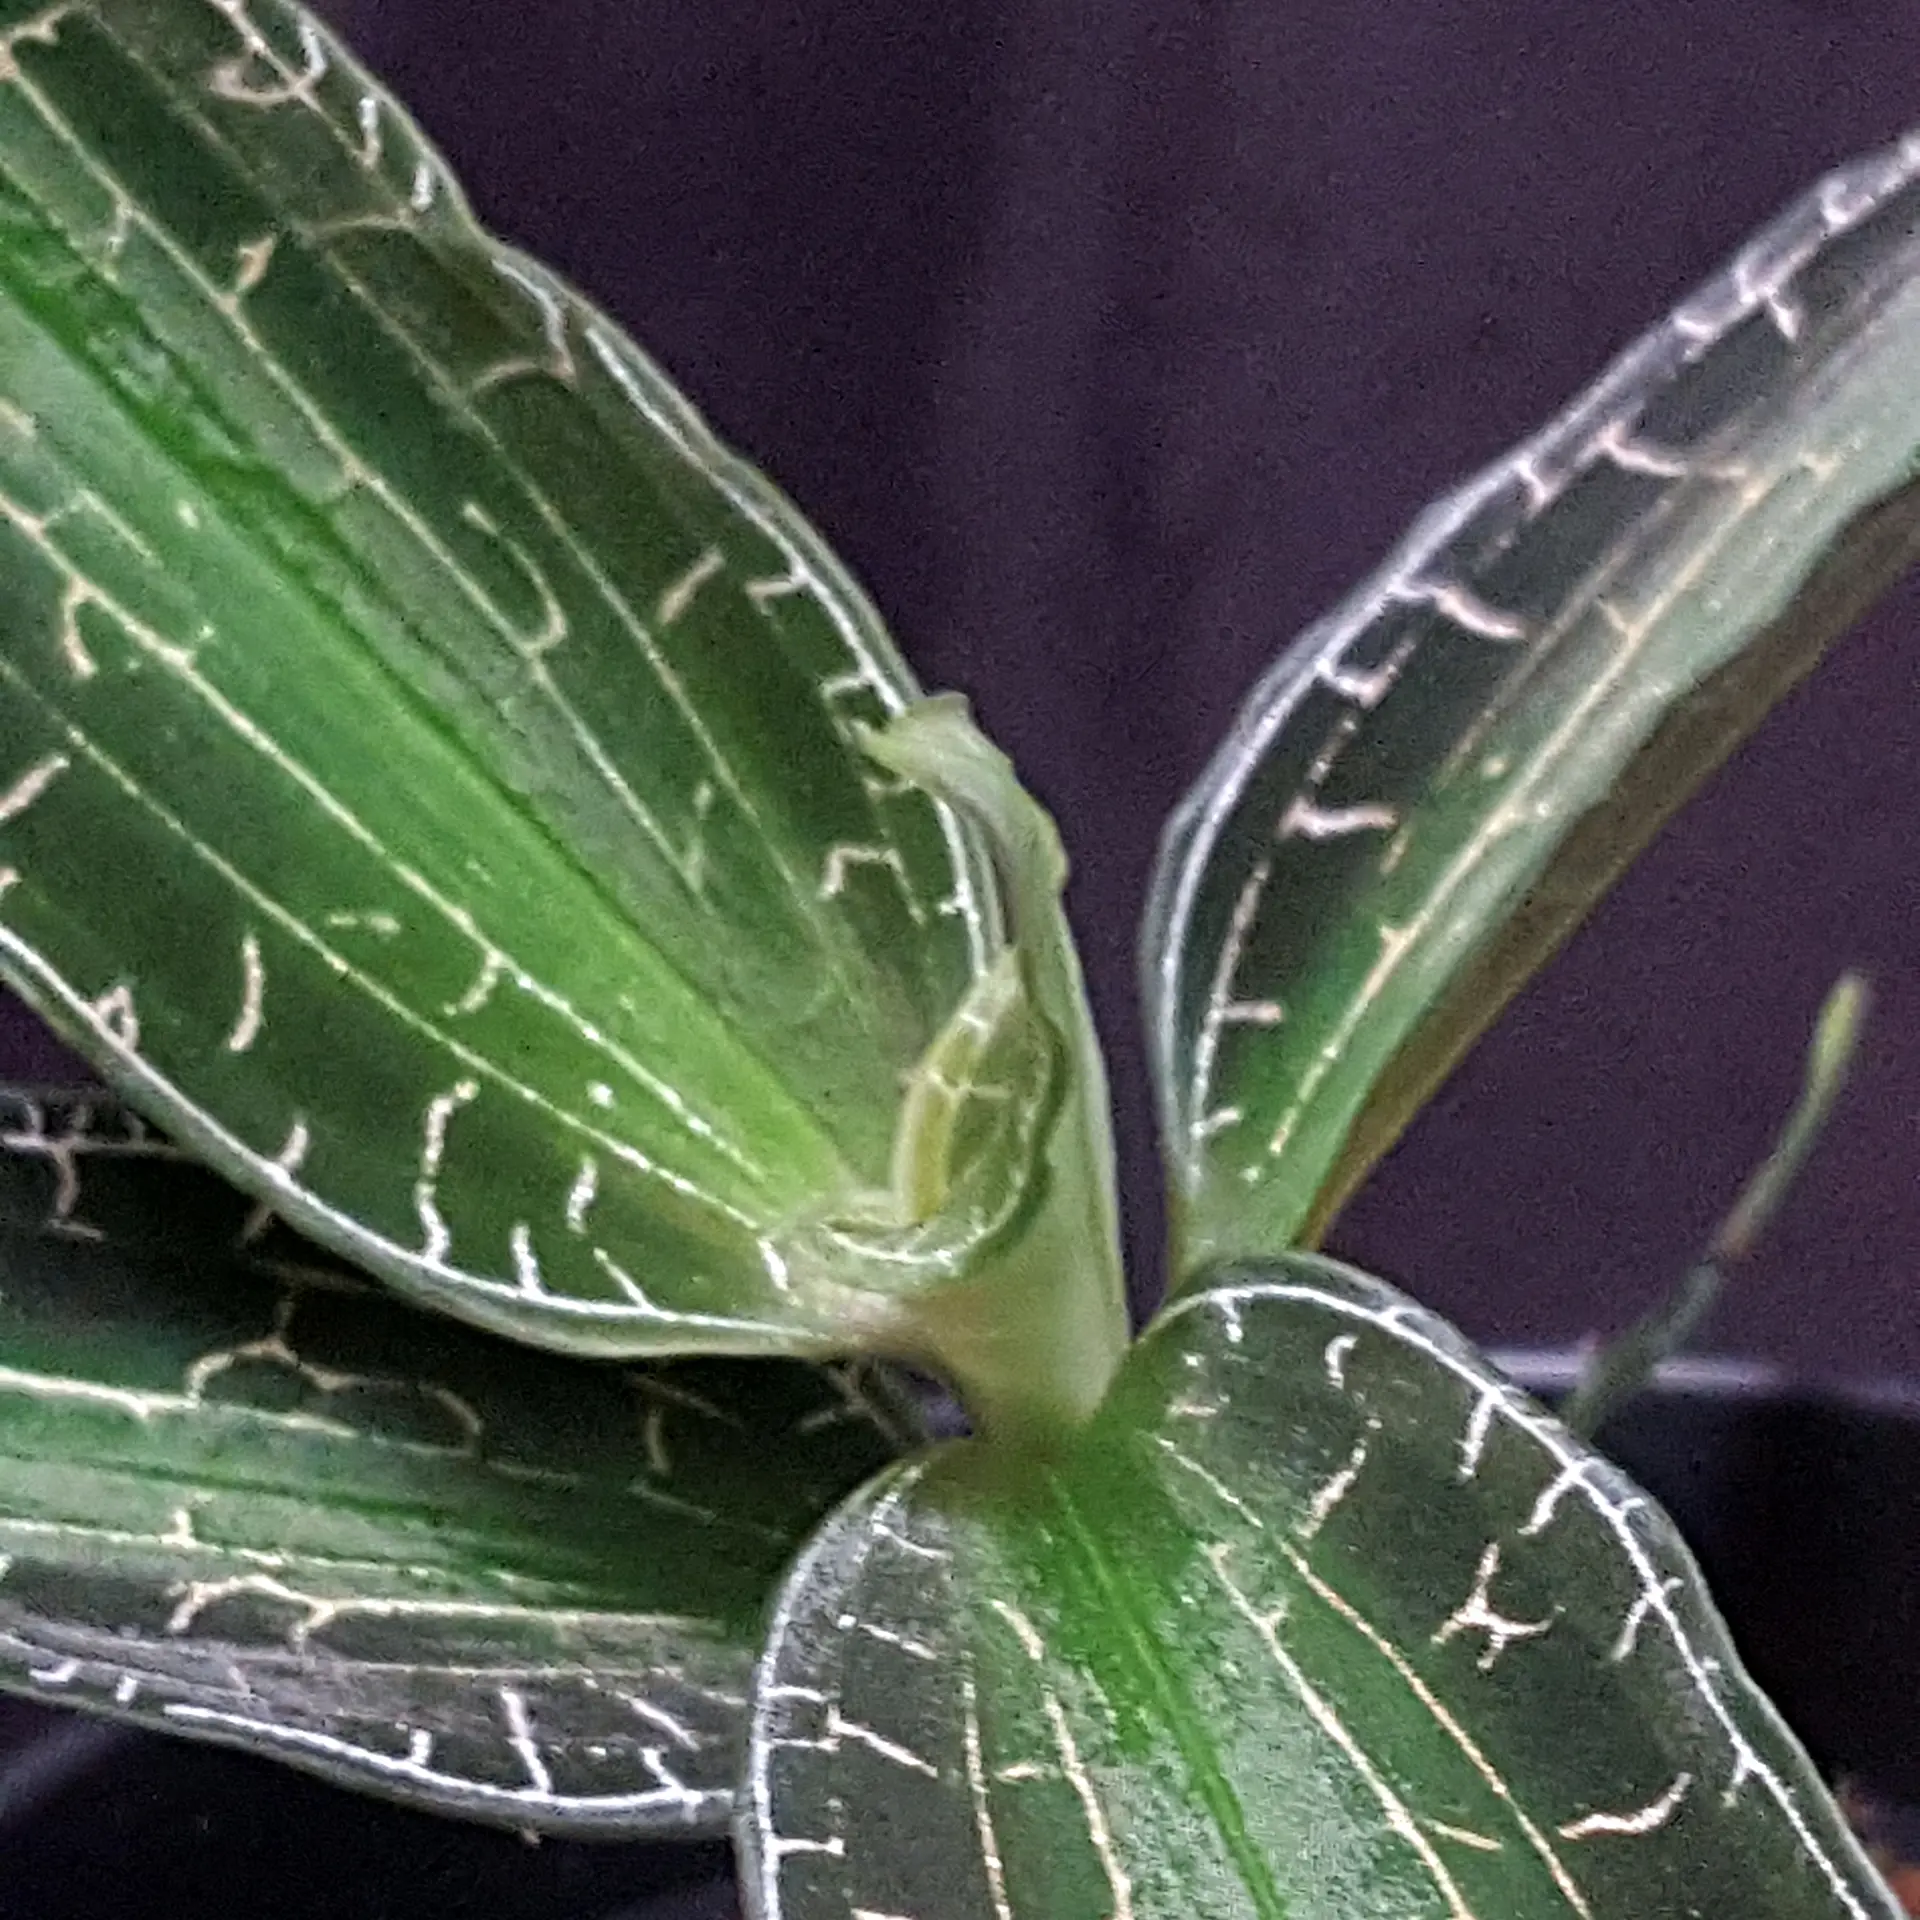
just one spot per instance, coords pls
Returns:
(1032, 1336)
(1623, 1366)
(1031, 1339)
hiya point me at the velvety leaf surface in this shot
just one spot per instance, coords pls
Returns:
(247, 1497)
(427, 779)
(1433, 784)
(1319, 1618)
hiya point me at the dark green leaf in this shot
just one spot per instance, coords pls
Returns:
(427, 767)
(1433, 785)
(1320, 1618)
(247, 1497)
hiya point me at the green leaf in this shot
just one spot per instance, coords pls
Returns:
(1434, 784)
(1319, 1618)
(247, 1497)
(428, 779)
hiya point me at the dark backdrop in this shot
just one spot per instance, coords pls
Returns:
(1109, 342)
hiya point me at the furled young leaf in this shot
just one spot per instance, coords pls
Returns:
(247, 1497)
(1433, 785)
(427, 767)
(1320, 1618)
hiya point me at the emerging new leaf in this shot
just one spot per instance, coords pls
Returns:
(1320, 1618)
(247, 1497)
(1432, 785)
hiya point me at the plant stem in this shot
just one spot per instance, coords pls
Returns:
(1623, 1366)
(1033, 1335)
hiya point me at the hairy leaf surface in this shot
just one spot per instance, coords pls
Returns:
(1432, 785)
(248, 1497)
(1320, 1618)
(427, 767)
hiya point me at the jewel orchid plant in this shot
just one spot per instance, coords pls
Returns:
(579, 1022)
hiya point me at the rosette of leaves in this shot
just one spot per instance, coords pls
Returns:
(577, 1017)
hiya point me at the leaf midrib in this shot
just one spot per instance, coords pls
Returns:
(1180, 1714)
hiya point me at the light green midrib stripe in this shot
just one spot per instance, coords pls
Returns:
(1179, 1713)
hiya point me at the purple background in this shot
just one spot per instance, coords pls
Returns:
(1109, 343)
